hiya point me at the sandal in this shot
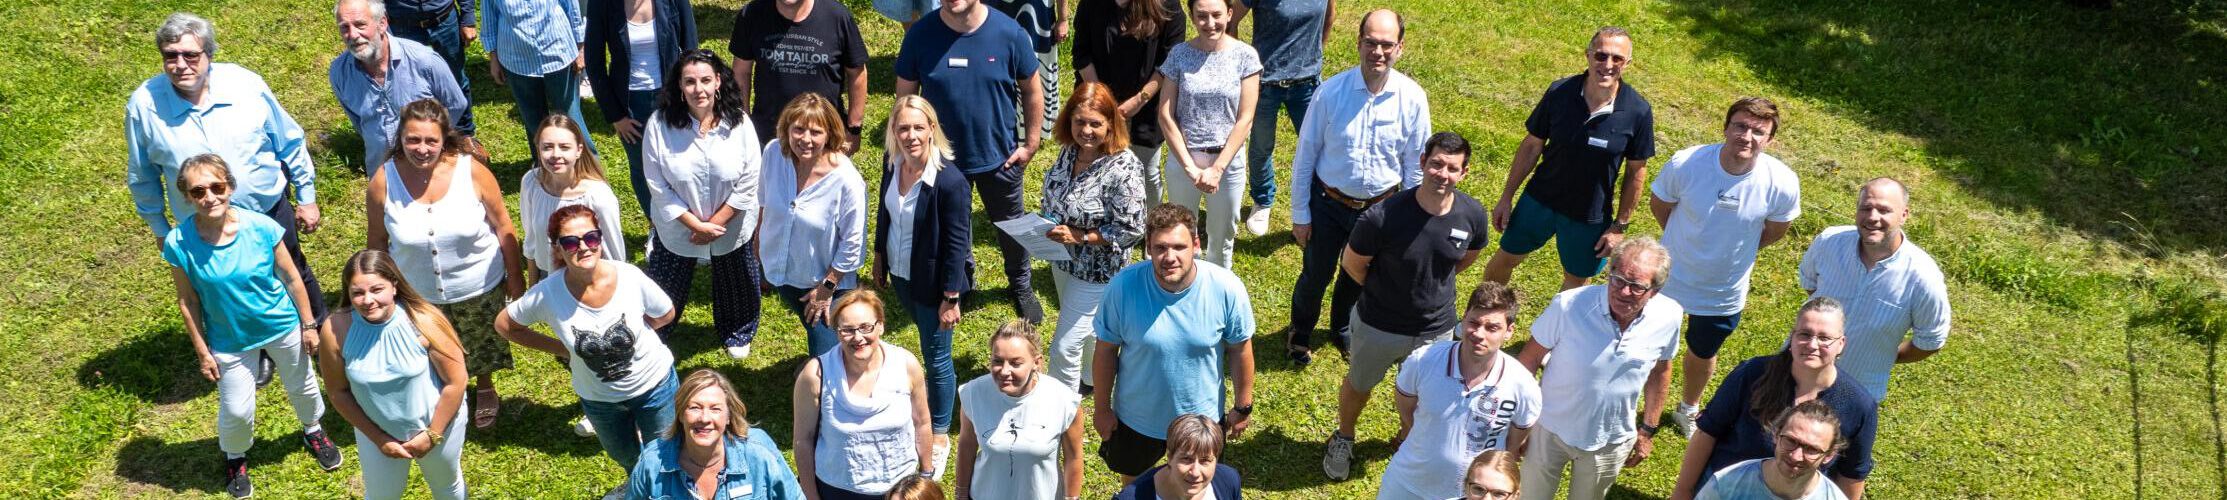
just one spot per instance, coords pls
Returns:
(1300, 356)
(485, 405)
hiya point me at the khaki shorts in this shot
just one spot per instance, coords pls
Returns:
(1373, 352)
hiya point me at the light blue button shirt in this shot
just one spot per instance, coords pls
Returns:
(1904, 296)
(242, 122)
(414, 72)
(531, 37)
(1360, 143)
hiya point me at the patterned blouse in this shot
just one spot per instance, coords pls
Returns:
(1108, 196)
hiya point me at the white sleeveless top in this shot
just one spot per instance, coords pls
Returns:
(866, 442)
(445, 248)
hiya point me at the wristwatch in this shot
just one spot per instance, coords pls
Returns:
(947, 299)
(1649, 430)
(827, 284)
(435, 437)
(1246, 410)
(1619, 226)
(313, 325)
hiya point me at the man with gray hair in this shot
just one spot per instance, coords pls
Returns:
(1612, 343)
(1898, 301)
(380, 73)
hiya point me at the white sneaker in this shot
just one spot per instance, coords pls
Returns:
(942, 458)
(583, 428)
(1337, 460)
(1682, 420)
(1256, 219)
(587, 92)
(738, 352)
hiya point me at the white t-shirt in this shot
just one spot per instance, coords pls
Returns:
(1714, 233)
(1019, 457)
(1744, 481)
(615, 354)
(1453, 422)
(1597, 370)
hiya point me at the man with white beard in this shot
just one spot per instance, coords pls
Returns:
(380, 73)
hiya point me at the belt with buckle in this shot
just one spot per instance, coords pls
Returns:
(1285, 84)
(1355, 202)
(429, 22)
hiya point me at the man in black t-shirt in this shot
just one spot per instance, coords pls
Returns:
(786, 48)
(1405, 253)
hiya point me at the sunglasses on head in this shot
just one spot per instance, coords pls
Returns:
(215, 188)
(590, 239)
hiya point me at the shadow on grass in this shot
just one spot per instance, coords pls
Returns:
(157, 367)
(198, 465)
(2185, 310)
(1990, 92)
(1273, 461)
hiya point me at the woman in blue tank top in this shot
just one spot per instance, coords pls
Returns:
(396, 372)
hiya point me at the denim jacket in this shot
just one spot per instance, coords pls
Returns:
(755, 471)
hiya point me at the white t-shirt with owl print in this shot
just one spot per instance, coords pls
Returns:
(615, 354)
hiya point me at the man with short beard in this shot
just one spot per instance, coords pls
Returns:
(379, 73)
(1898, 302)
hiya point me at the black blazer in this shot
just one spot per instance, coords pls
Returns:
(943, 235)
(608, 55)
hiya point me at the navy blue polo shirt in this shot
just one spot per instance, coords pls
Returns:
(1585, 154)
(973, 81)
(1741, 437)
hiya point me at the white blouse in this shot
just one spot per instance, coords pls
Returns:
(691, 173)
(813, 229)
(536, 204)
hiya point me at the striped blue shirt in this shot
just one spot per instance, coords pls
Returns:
(532, 37)
(1903, 295)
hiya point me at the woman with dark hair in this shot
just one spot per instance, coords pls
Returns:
(1096, 192)
(604, 313)
(628, 44)
(702, 158)
(711, 451)
(1806, 437)
(1194, 470)
(1018, 437)
(397, 375)
(811, 251)
(1762, 390)
(924, 244)
(860, 411)
(439, 213)
(1121, 43)
(241, 296)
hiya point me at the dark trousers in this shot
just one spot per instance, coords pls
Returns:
(1001, 190)
(283, 212)
(537, 96)
(442, 36)
(734, 289)
(1333, 223)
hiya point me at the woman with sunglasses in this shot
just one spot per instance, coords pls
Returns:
(241, 296)
(860, 410)
(565, 173)
(605, 313)
(397, 376)
(811, 247)
(1761, 391)
(1807, 437)
(439, 212)
(701, 156)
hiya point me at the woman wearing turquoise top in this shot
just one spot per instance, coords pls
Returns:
(711, 451)
(397, 375)
(241, 296)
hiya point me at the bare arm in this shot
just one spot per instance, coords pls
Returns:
(854, 79)
(1910, 353)
(1241, 381)
(1356, 266)
(1468, 260)
(526, 336)
(804, 413)
(1773, 231)
(922, 435)
(447, 354)
(1527, 157)
(1662, 209)
(969, 446)
(1329, 20)
(1032, 121)
(1533, 356)
(743, 69)
(1657, 394)
(1635, 182)
(189, 302)
(906, 87)
(1170, 132)
(506, 234)
(1405, 404)
(1102, 369)
(1694, 465)
(375, 211)
(1071, 457)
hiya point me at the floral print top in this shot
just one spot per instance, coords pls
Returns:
(1106, 196)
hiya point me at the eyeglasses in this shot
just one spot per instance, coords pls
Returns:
(1785, 441)
(1619, 281)
(1605, 57)
(854, 331)
(1372, 44)
(215, 188)
(1489, 494)
(1817, 340)
(590, 239)
(189, 56)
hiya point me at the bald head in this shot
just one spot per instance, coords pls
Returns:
(1384, 23)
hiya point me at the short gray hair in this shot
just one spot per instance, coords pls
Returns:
(378, 8)
(1636, 246)
(181, 24)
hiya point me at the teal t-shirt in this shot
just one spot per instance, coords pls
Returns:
(1172, 344)
(244, 303)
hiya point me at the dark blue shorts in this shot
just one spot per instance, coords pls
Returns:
(1706, 334)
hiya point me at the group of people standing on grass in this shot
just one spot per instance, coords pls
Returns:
(747, 168)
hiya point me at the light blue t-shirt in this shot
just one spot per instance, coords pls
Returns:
(1172, 344)
(244, 304)
(1744, 481)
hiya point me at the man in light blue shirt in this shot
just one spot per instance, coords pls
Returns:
(535, 48)
(196, 106)
(1166, 331)
(380, 73)
(1898, 301)
(1361, 141)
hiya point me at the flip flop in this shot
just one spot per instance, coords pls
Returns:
(485, 406)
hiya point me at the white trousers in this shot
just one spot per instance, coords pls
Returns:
(385, 477)
(236, 390)
(1220, 224)
(1072, 346)
(1150, 156)
(1591, 472)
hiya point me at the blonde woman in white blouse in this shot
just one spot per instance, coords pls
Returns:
(815, 239)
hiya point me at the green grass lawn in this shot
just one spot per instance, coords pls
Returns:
(2066, 165)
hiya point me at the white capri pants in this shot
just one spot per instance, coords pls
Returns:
(1220, 224)
(385, 477)
(1072, 346)
(236, 390)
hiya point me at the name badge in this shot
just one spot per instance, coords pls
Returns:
(739, 491)
(956, 62)
(1597, 142)
(1459, 235)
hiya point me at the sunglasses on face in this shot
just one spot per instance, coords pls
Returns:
(189, 56)
(215, 188)
(1605, 57)
(590, 239)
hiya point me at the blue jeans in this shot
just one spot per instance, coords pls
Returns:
(935, 355)
(639, 104)
(537, 95)
(1292, 96)
(818, 337)
(444, 39)
(646, 415)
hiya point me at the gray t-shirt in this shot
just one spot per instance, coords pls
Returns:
(1744, 481)
(1208, 88)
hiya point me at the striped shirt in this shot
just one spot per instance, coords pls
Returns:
(1900, 295)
